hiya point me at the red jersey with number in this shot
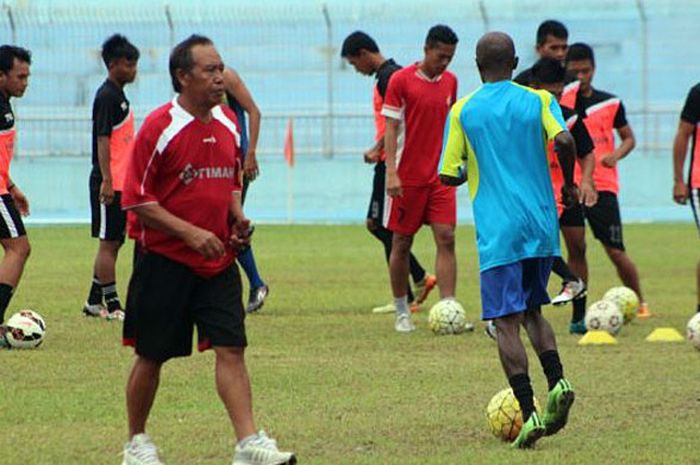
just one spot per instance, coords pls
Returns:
(602, 113)
(191, 169)
(7, 141)
(421, 104)
(691, 115)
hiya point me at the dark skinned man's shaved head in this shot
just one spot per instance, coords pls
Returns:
(495, 52)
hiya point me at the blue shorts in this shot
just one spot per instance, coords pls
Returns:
(515, 287)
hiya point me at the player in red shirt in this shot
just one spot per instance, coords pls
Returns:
(14, 79)
(604, 114)
(112, 140)
(417, 102)
(689, 126)
(362, 52)
(183, 185)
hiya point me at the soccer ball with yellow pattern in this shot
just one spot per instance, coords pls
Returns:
(504, 416)
(625, 299)
(447, 317)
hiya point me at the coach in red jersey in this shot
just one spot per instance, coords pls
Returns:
(14, 79)
(183, 185)
(416, 105)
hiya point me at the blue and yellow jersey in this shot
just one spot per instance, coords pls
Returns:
(498, 135)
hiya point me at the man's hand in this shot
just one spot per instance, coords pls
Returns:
(372, 155)
(240, 234)
(680, 192)
(609, 160)
(393, 184)
(588, 195)
(106, 192)
(20, 200)
(569, 195)
(206, 243)
(250, 166)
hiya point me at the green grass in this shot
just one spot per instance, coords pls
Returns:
(336, 383)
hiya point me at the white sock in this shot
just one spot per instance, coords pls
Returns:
(401, 304)
(243, 442)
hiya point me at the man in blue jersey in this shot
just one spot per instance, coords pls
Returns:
(500, 131)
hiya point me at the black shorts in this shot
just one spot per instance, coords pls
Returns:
(11, 225)
(108, 221)
(695, 205)
(166, 299)
(572, 217)
(375, 211)
(605, 222)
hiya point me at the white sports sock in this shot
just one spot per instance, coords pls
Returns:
(401, 304)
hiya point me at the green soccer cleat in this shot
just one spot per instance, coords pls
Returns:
(559, 402)
(577, 327)
(532, 430)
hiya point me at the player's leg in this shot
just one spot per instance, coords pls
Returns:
(441, 214)
(605, 221)
(218, 312)
(574, 233)
(503, 302)
(15, 243)
(104, 269)
(695, 206)
(158, 326)
(258, 289)
(561, 396)
(403, 216)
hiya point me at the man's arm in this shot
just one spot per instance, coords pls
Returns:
(680, 149)
(372, 155)
(240, 227)
(103, 158)
(565, 147)
(393, 183)
(628, 143)
(236, 87)
(152, 215)
(588, 195)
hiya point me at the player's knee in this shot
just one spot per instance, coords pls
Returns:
(577, 249)
(445, 238)
(401, 244)
(20, 248)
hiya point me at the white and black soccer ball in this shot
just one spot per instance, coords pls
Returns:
(25, 330)
(447, 317)
(693, 331)
(604, 315)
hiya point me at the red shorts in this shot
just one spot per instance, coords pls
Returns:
(433, 204)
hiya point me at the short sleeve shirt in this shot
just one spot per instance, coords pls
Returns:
(691, 114)
(421, 104)
(7, 141)
(190, 168)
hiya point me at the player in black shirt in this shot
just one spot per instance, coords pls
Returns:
(685, 189)
(548, 74)
(112, 137)
(14, 79)
(362, 52)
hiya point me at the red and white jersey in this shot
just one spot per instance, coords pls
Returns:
(7, 141)
(190, 168)
(602, 113)
(421, 104)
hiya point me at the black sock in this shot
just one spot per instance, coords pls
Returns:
(109, 291)
(579, 312)
(5, 296)
(522, 389)
(698, 308)
(95, 295)
(560, 267)
(552, 367)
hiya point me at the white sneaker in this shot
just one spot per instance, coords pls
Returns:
(570, 291)
(262, 451)
(490, 329)
(403, 323)
(116, 315)
(96, 310)
(388, 308)
(141, 451)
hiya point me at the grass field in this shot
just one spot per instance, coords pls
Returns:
(336, 383)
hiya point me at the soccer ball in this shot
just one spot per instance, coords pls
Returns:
(604, 315)
(25, 330)
(504, 416)
(625, 299)
(447, 317)
(693, 331)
